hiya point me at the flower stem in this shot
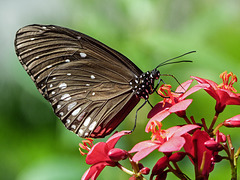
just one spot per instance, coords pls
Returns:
(232, 159)
(177, 173)
(204, 125)
(217, 128)
(134, 164)
(187, 120)
(213, 122)
(124, 169)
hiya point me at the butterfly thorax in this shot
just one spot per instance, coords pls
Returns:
(143, 85)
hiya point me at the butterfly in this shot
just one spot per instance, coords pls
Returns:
(91, 87)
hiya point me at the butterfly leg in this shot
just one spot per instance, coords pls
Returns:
(150, 104)
(173, 78)
(135, 123)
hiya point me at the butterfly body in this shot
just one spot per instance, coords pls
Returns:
(90, 86)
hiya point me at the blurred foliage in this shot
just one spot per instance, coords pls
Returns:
(34, 143)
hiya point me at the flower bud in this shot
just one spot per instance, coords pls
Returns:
(222, 137)
(162, 176)
(117, 154)
(217, 158)
(213, 145)
(140, 165)
(160, 165)
(145, 171)
(232, 122)
(178, 156)
(133, 178)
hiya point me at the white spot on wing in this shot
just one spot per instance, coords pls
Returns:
(87, 84)
(71, 105)
(66, 97)
(87, 121)
(93, 125)
(69, 74)
(32, 39)
(92, 77)
(73, 126)
(68, 121)
(83, 55)
(54, 78)
(62, 86)
(51, 86)
(81, 116)
(44, 27)
(67, 60)
(49, 66)
(80, 132)
(76, 111)
(59, 106)
(61, 113)
(53, 92)
(93, 93)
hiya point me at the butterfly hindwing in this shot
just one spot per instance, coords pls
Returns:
(86, 100)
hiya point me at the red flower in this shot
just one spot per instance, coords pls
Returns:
(173, 103)
(232, 122)
(100, 156)
(164, 140)
(195, 145)
(224, 93)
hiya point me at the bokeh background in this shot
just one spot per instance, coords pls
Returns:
(33, 142)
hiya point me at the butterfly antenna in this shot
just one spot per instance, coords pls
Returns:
(168, 61)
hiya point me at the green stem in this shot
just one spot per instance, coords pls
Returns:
(232, 159)
(125, 169)
(217, 128)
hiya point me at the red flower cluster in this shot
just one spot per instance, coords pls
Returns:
(201, 144)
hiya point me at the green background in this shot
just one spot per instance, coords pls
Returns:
(33, 142)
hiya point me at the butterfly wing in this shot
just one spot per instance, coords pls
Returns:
(89, 102)
(86, 82)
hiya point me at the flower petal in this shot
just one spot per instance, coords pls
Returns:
(184, 129)
(111, 142)
(173, 144)
(194, 89)
(180, 106)
(184, 86)
(227, 97)
(205, 81)
(144, 152)
(158, 117)
(160, 165)
(200, 137)
(170, 131)
(142, 145)
(98, 153)
(158, 108)
(94, 171)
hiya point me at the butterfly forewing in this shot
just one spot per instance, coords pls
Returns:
(86, 82)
